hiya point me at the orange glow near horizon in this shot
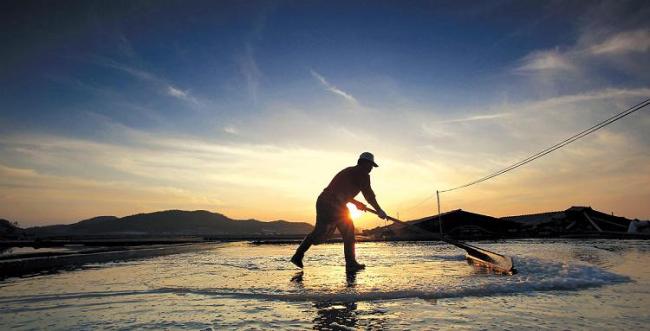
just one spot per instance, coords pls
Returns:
(266, 183)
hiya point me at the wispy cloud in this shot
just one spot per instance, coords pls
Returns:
(611, 39)
(347, 96)
(476, 118)
(583, 60)
(160, 83)
(549, 60)
(176, 92)
(248, 67)
(250, 71)
(231, 130)
(624, 42)
(604, 94)
(180, 94)
(133, 71)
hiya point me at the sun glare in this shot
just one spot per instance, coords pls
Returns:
(354, 212)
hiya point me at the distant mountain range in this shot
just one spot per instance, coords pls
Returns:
(172, 222)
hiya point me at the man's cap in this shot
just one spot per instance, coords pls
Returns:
(368, 157)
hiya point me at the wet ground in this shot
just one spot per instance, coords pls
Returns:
(598, 284)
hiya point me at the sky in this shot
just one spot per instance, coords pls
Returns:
(249, 108)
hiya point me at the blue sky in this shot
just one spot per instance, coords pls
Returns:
(241, 107)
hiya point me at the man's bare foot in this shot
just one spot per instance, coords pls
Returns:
(297, 261)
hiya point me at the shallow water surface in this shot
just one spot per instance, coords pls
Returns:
(424, 285)
(27, 250)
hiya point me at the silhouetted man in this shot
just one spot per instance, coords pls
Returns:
(332, 213)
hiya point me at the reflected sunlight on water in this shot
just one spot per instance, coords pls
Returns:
(406, 285)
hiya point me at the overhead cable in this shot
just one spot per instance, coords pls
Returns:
(556, 146)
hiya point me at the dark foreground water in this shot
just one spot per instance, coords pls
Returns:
(576, 284)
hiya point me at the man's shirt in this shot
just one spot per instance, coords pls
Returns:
(347, 184)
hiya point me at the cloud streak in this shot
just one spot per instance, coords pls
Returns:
(231, 130)
(250, 71)
(332, 88)
(637, 41)
(163, 85)
(604, 94)
(549, 60)
(583, 60)
(475, 118)
(180, 94)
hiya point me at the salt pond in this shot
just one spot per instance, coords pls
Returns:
(561, 284)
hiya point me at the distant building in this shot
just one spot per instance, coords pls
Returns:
(576, 221)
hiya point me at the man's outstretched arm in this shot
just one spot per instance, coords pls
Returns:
(369, 195)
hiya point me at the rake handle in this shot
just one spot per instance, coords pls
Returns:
(366, 208)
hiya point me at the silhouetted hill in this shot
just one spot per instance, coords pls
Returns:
(9, 230)
(172, 222)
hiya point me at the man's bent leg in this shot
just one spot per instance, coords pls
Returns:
(316, 236)
(300, 251)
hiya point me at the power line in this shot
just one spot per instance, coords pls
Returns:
(543, 152)
(556, 146)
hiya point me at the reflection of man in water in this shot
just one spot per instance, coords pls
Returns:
(332, 213)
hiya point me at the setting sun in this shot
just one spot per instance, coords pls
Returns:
(354, 212)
